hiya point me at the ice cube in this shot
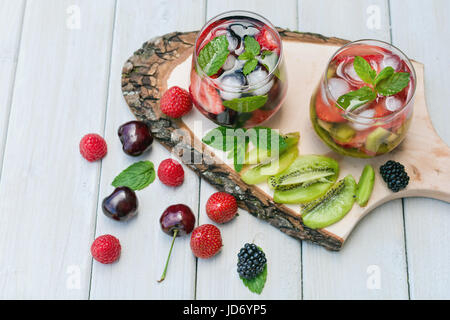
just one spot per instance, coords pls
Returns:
(393, 103)
(229, 63)
(251, 31)
(338, 87)
(391, 61)
(345, 70)
(232, 85)
(233, 41)
(256, 79)
(238, 29)
(364, 121)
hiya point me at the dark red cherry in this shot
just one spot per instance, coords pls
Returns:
(120, 205)
(176, 220)
(135, 137)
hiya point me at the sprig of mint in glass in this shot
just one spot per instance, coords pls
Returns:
(386, 83)
(252, 49)
(213, 55)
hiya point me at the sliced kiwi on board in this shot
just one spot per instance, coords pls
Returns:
(261, 172)
(306, 179)
(365, 185)
(256, 155)
(331, 207)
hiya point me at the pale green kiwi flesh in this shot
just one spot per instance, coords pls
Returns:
(301, 194)
(260, 173)
(256, 155)
(332, 206)
(365, 185)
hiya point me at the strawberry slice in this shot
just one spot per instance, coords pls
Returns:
(327, 112)
(357, 141)
(380, 108)
(204, 95)
(267, 40)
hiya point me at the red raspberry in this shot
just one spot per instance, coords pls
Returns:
(93, 147)
(221, 207)
(106, 249)
(175, 102)
(171, 173)
(206, 241)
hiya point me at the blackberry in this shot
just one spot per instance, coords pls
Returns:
(251, 261)
(394, 175)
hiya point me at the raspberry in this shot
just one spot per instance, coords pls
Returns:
(175, 102)
(221, 207)
(206, 241)
(93, 147)
(251, 261)
(106, 249)
(171, 173)
(394, 175)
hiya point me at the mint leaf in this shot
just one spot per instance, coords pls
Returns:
(385, 73)
(246, 104)
(364, 70)
(265, 53)
(357, 98)
(217, 138)
(251, 45)
(269, 60)
(213, 55)
(137, 176)
(394, 84)
(249, 66)
(246, 56)
(256, 285)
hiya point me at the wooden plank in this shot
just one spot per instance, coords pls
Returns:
(48, 192)
(144, 245)
(11, 18)
(217, 277)
(418, 28)
(353, 272)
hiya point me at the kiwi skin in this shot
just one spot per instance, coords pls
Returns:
(331, 207)
(365, 185)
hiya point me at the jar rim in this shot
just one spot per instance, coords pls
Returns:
(354, 116)
(238, 13)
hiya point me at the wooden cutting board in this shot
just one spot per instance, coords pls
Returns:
(165, 61)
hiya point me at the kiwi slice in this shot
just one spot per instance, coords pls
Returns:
(307, 178)
(331, 207)
(256, 155)
(342, 132)
(377, 137)
(259, 173)
(365, 185)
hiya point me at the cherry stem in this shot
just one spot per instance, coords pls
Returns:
(168, 258)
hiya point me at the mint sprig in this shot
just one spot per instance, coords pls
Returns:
(386, 83)
(137, 176)
(252, 49)
(236, 141)
(213, 55)
(246, 104)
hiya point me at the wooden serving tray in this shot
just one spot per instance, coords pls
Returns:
(166, 61)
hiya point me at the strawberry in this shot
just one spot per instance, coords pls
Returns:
(106, 249)
(206, 241)
(267, 40)
(93, 147)
(171, 173)
(328, 112)
(175, 102)
(205, 96)
(357, 141)
(380, 109)
(221, 207)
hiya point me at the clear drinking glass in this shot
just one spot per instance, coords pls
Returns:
(250, 85)
(373, 128)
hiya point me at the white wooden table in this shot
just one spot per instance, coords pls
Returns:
(60, 63)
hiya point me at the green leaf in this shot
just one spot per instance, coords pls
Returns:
(249, 66)
(217, 138)
(246, 104)
(251, 45)
(256, 285)
(213, 55)
(137, 176)
(246, 56)
(394, 84)
(384, 74)
(269, 60)
(265, 53)
(364, 70)
(357, 98)
(263, 137)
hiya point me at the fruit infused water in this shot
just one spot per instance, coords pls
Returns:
(364, 103)
(237, 76)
